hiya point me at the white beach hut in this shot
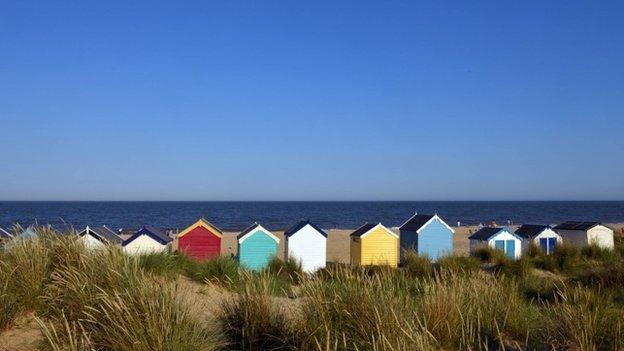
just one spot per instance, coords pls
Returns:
(307, 244)
(147, 240)
(97, 237)
(541, 235)
(582, 234)
(498, 238)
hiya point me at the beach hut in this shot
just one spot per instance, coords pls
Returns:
(201, 240)
(96, 237)
(256, 247)
(581, 234)
(428, 235)
(374, 244)
(147, 240)
(498, 238)
(307, 244)
(541, 235)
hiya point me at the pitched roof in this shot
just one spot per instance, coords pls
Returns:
(485, 233)
(297, 227)
(201, 223)
(241, 237)
(574, 225)
(5, 234)
(416, 222)
(247, 230)
(363, 229)
(103, 233)
(154, 233)
(531, 230)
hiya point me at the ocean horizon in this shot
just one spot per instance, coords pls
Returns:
(276, 215)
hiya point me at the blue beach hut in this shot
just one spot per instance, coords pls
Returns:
(497, 238)
(256, 247)
(428, 235)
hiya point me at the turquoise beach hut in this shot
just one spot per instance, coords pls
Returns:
(256, 247)
(428, 235)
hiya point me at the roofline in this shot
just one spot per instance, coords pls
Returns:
(435, 216)
(202, 222)
(307, 223)
(136, 235)
(409, 219)
(379, 225)
(500, 229)
(260, 227)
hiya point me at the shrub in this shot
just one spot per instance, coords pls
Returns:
(31, 262)
(9, 301)
(223, 270)
(485, 253)
(104, 300)
(608, 276)
(518, 268)
(164, 263)
(415, 265)
(288, 270)
(252, 321)
(352, 310)
(595, 252)
(584, 320)
(541, 289)
(477, 312)
(458, 264)
(566, 258)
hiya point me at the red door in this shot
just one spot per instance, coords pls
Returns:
(200, 244)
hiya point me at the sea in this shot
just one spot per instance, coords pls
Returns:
(280, 215)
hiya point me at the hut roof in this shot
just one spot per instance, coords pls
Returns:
(418, 221)
(575, 225)
(298, 226)
(363, 229)
(103, 233)
(485, 233)
(154, 233)
(201, 223)
(531, 230)
(251, 228)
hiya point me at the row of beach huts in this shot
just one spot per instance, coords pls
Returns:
(370, 244)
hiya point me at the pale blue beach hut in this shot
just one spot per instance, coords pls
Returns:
(256, 247)
(428, 235)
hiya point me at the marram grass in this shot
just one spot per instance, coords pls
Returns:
(106, 300)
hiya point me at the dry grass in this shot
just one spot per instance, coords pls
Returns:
(106, 300)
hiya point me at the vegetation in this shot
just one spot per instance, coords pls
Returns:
(105, 300)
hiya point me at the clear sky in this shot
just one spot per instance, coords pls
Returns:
(315, 100)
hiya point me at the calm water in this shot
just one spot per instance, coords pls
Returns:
(279, 215)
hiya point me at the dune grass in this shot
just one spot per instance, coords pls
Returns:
(106, 300)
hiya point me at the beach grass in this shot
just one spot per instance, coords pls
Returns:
(107, 300)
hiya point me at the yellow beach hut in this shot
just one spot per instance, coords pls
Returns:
(374, 244)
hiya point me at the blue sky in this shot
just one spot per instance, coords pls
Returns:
(201, 100)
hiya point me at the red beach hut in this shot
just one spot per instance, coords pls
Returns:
(201, 240)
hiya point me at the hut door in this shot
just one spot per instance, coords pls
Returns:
(499, 245)
(552, 242)
(544, 245)
(511, 249)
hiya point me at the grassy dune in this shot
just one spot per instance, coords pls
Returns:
(105, 300)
